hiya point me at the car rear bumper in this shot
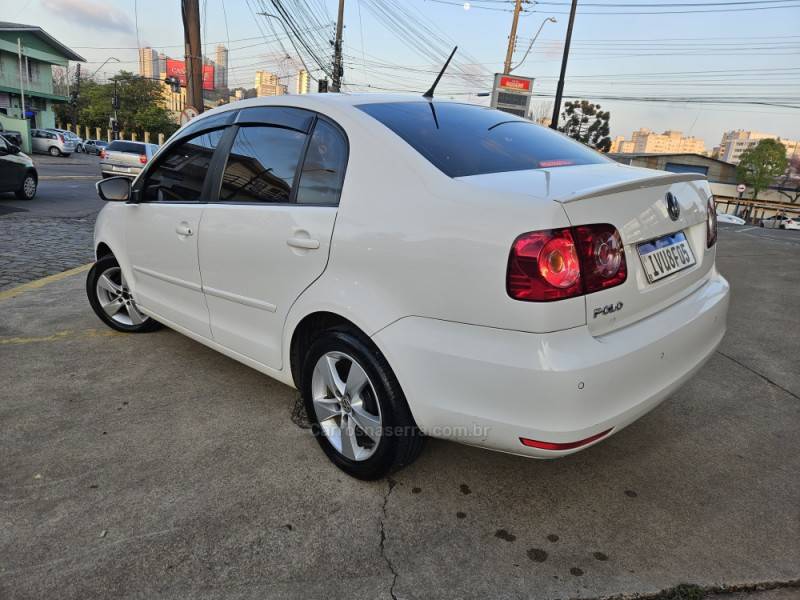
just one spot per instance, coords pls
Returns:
(492, 387)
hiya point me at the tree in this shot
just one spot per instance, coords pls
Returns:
(586, 123)
(141, 105)
(760, 165)
(789, 184)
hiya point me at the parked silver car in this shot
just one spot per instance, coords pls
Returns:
(53, 143)
(70, 135)
(125, 158)
(95, 146)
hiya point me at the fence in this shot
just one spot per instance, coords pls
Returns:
(98, 133)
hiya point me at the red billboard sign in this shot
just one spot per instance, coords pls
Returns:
(177, 68)
(515, 83)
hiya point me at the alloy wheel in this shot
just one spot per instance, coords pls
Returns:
(29, 186)
(115, 298)
(346, 406)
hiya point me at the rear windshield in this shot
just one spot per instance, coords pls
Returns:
(131, 147)
(463, 139)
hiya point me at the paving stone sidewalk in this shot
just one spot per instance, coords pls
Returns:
(32, 247)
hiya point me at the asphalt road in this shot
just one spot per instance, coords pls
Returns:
(148, 466)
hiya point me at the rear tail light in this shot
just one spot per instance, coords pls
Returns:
(102, 153)
(143, 159)
(561, 263)
(711, 222)
(60, 138)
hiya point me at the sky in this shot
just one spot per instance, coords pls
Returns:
(619, 58)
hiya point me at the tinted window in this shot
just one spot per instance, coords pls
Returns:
(262, 165)
(461, 139)
(130, 147)
(3, 145)
(181, 170)
(323, 169)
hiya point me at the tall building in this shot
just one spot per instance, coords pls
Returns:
(646, 141)
(735, 142)
(267, 84)
(148, 63)
(221, 72)
(162, 65)
(303, 82)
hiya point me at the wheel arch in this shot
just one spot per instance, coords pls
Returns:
(102, 250)
(307, 330)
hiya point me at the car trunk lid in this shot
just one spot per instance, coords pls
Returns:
(634, 201)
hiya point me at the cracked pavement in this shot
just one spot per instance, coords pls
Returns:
(149, 466)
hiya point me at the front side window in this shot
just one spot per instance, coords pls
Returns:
(181, 171)
(262, 165)
(323, 169)
(464, 139)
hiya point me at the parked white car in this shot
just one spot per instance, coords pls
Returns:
(730, 219)
(418, 268)
(781, 222)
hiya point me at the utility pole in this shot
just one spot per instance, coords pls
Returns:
(194, 53)
(338, 70)
(560, 88)
(75, 96)
(512, 39)
(21, 90)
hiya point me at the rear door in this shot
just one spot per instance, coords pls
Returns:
(267, 236)
(162, 232)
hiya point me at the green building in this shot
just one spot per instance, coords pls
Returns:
(33, 52)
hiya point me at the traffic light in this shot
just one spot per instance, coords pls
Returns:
(115, 102)
(323, 86)
(174, 83)
(73, 97)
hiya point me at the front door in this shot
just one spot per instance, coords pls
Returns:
(12, 168)
(267, 238)
(162, 233)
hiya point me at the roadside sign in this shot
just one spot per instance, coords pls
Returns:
(512, 94)
(187, 114)
(741, 188)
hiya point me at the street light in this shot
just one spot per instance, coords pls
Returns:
(530, 46)
(103, 65)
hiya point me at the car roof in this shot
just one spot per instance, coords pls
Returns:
(324, 103)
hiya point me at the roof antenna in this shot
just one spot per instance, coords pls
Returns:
(429, 93)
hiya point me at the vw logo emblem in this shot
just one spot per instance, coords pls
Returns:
(673, 208)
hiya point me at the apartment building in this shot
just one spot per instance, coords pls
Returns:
(303, 82)
(734, 143)
(149, 65)
(645, 141)
(267, 84)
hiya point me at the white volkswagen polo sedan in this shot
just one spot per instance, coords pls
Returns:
(418, 268)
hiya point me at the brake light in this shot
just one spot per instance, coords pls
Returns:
(143, 159)
(711, 222)
(602, 257)
(563, 445)
(60, 138)
(554, 264)
(102, 153)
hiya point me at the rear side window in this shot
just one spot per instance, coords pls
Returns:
(262, 165)
(463, 139)
(129, 147)
(180, 172)
(323, 169)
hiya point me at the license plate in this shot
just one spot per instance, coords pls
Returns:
(665, 256)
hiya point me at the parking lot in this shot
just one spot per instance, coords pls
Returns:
(149, 466)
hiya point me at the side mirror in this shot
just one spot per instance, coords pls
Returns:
(114, 189)
(13, 149)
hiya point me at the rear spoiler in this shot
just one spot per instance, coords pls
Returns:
(628, 186)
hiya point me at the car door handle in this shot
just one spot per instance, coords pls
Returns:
(184, 229)
(305, 243)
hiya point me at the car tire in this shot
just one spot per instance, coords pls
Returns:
(379, 406)
(53, 151)
(28, 189)
(112, 301)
